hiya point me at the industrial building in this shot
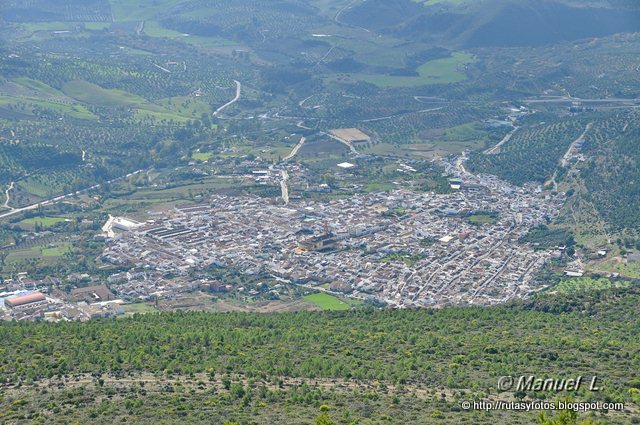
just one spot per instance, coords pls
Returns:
(125, 224)
(92, 294)
(26, 302)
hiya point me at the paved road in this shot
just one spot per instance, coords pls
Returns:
(300, 124)
(569, 153)
(348, 6)
(295, 150)
(565, 99)
(303, 101)
(284, 187)
(388, 117)
(460, 164)
(7, 196)
(565, 158)
(344, 142)
(232, 101)
(506, 138)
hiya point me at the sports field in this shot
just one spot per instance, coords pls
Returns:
(326, 301)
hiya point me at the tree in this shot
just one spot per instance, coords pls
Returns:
(324, 419)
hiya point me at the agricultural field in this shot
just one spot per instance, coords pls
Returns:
(43, 254)
(42, 222)
(38, 86)
(155, 29)
(533, 153)
(93, 94)
(31, 106)
(138, 308)
(628, 269)
(139, 10)
(439, 71)
(202, 156)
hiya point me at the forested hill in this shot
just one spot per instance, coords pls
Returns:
(453, 351)
(492, 23)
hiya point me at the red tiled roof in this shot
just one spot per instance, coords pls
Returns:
(25, 299)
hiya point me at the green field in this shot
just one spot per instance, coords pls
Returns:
(179, 109)
(37, 86)
(28, 104)
(45, 221)
(186, 106)
(48, 253)
(429, 150)
(465, 132)
(142, 114)
(96, 95)
(202, 156)
(326, 301)
(45, 26)
(439, 71)
(480, 219)
(154, 29)
(138, 308)
(56, 251)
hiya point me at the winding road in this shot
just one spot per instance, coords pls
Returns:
(7, 196)
(344, 142)
(232, 101)
(348, 6)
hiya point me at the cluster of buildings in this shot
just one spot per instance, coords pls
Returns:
(406, 248)
(24, 299)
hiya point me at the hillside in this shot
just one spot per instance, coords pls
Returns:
(495, 23)
(414, 366)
